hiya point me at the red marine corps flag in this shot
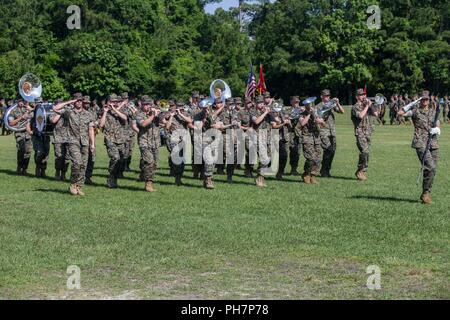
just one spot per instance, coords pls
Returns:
(261, 88)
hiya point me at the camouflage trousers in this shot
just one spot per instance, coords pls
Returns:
(328, 144)
(61, 157)
(291, 150)
(209, 148)
(176, 169)
(363, 142)
(116, 154)
(128, 152)
(78, 155)
(149, 162)
(312, 151)
(24, 148)
(90, 164)
(41, 146)
(430, 167)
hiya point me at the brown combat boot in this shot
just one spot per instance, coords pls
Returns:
(306, 178)
(209, 183)
(149, 186)
(426, 198)
(259, 181)
(80, 192)
(360, 175)
(313, 180)
(73, 189)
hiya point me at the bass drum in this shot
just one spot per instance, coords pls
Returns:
(42, 116)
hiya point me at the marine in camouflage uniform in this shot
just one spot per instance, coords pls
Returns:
(229, 120)
(23, 139)
(282, 122)
(328, 132)
(113, 120)
(60, 139)
(308, 128)
(423, 119)
(177, 119)
(446, 109)
(94, 109)
(261, 121)
(130, 135)
(245, 124)
(290, 143)
(80, 138)
(149, 141)
(361, 113)
(41, 144)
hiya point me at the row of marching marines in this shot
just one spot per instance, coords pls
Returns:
(302, 127)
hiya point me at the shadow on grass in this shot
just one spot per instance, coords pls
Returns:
(381, 198)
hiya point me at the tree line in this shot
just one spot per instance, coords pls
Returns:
(168, 48)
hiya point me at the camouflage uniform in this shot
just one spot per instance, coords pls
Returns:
(23, 141)
(446, 110)
(115, 137)
(94, 109)
(263, 162)
(173, 140)
(60, 148)
(423, 122)
(228, 116)
(208, 146)
(363, 133)
(130, 137)
(328, 140)
(149, 142)
(290, 142)
(78, 124)
(41, 147)
(245, 120)
(311, 142)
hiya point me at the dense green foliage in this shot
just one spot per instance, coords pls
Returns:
(169, 48)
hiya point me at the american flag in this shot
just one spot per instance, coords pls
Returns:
(251, 83)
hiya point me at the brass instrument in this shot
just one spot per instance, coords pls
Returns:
(217, 89)
(30, 88)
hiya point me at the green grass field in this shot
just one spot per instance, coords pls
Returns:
(288, 241)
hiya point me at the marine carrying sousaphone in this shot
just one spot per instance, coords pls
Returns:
(30, 88)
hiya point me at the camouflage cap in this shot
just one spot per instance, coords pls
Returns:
(295, 99)
(202, 97)
(77, 96)
(360, 92)
(229, 101)
(146, 100)
(325, 93)
(38, 100)
(425, 94)
(248, 100)
(195, 94)
(266, 94)
(217, 100)
(124, 96)
(86, 99)
(180, 103)
(259, 99)
(237, 100)
(172, 102)
(113, 97)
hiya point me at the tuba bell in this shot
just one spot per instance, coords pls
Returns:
(30, 88)
(217, 89)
